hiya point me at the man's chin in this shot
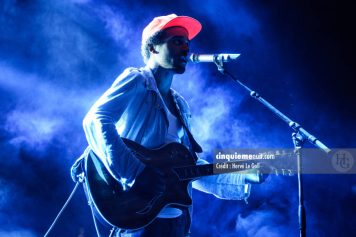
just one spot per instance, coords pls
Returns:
(180, 70)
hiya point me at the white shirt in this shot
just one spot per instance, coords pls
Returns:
(175, 134)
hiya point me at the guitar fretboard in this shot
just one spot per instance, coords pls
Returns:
(196, 171)
(191, 172)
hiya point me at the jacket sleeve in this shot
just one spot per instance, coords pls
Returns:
(100, 130)
(225, 186)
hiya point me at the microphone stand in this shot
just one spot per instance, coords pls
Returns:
(299, 136)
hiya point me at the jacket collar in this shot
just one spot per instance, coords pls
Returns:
(150, 82)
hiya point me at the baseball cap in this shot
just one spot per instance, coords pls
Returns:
(192, 25)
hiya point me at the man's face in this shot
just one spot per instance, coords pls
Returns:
(173, 52)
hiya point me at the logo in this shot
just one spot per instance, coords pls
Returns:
(342, 161)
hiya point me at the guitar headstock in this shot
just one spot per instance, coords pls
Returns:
(282, 163)
(261, 171)
(264, 168)
(284, 172)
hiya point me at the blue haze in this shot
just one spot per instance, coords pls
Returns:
(57, 57)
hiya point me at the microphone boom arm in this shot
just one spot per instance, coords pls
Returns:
(299, 136)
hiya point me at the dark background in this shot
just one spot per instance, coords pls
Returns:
(58, 57)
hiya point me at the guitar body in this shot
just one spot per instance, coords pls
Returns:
(136, 208)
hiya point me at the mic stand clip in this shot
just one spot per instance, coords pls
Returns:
(219, 62)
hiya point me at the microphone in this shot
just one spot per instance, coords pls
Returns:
(212, 58)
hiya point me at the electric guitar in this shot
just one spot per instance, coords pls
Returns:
(135, 208)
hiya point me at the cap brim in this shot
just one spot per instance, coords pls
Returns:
(192, 25)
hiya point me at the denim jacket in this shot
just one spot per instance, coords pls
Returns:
(133, 108)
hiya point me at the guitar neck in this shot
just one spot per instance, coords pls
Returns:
(197, 171)
(192, 172)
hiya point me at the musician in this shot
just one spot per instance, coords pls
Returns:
(141, 106)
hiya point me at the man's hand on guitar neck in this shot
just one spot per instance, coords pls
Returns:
(258, 175)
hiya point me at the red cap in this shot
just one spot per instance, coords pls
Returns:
(192, 25)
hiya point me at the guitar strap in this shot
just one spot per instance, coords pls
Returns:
(195, 147)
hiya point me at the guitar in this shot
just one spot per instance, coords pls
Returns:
(134, 208)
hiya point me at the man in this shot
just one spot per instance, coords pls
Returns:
(142, 106)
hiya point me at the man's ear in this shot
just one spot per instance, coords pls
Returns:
(152, 49)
